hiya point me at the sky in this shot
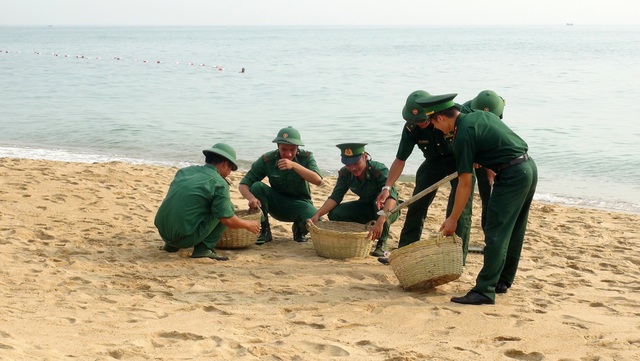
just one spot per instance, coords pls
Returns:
(317, 12)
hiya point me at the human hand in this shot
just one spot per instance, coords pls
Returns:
(448, 226)
(314, 218)
(376, 231)
(253, 227)
(285, 164)
(382, 197)
(491, 175)
(254, 203)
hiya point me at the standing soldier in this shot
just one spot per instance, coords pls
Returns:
(481, 137)
(439, 162)
(288, 198)
(365, 178)
(488, 101)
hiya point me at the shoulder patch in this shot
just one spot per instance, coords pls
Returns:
(304, 153)
(270, 156)
(376, 173)
(410, 126)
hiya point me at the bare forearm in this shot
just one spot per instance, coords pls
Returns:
(395, 171)
(235, 222)
(307, 174)
(328, 205)
(245, 191)
(463, 191)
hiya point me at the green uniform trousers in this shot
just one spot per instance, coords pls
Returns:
(361, 212)
(284, 208)
(430, 172)
(207, 235)
(507, 214)
(484, 189)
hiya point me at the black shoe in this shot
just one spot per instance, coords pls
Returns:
(502, 287)
(378, 252)
(473, 298)
(208, 254)
(265, 233)
(168, 248)
(297, 234)
(380, 249)
(383, 260)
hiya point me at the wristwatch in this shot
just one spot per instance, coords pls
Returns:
(386, 188)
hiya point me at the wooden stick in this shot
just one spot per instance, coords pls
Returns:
(423, 193)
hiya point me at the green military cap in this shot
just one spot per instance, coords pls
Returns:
(351, 152)
(436, 103)
(288, 135)
(412, 112)
(224, 150)
(488, 101)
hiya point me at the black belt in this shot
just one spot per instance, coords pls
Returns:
(498, 167)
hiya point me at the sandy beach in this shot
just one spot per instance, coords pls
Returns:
(82, 278)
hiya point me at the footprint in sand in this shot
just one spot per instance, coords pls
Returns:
(182, 336)
(317, 326)
(44, 236)
(520, 355)
(325, 349)
(212, 309)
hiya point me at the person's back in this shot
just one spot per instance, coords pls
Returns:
(189, 200)
(197, 208)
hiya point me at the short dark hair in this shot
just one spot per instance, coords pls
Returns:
(214, 158)
(449, 112)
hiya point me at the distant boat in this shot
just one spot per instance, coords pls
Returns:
(569, 24)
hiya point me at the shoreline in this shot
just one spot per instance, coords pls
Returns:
(404, 178)
(81, 262)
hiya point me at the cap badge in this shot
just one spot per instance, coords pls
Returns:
(285, 135)
(414, 112)
(348, 152)
(486, 109)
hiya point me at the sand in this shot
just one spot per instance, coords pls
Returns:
(82, 278)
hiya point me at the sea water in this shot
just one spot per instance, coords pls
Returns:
(160, 95)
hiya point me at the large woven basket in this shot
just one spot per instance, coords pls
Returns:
(340, 240)
(428, 263)
(239, 237)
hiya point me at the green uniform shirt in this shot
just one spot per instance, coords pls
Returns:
(430, 140)
(286, 182)
(483, 138)
(197, 194)
(368, 189)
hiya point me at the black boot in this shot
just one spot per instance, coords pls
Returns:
(265, 232)
(298, 236)
(381, 248)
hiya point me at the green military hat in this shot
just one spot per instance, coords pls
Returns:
(436, 103)
(488, 101)
(288, 135)
(351, 152)
(412, 112)
(224, 150)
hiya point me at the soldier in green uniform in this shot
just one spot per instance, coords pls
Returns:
(439, 162)
(488, 101)
(198, 209)
(482, 137)
(364, 177)
(288, 198)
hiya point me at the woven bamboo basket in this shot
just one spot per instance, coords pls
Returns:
(428, 263)
(239, 237)
(340, 240)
